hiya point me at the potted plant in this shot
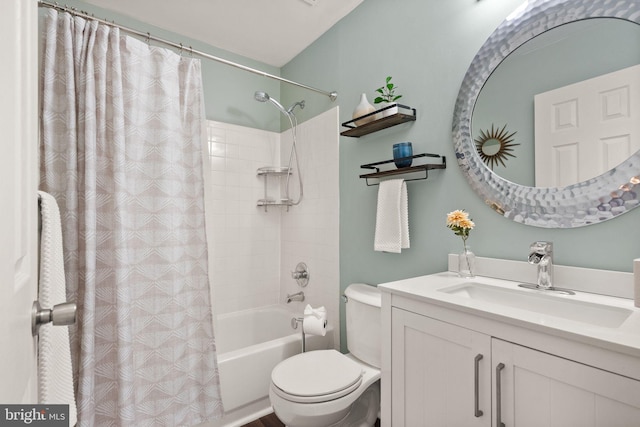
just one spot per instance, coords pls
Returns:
(387, 97)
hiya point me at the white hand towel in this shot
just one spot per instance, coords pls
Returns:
(54, 355)
(392, 219)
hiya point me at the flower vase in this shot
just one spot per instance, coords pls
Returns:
(467, 263)
(364, 108)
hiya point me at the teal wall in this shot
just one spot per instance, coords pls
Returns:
(427, 46)
(228, 91)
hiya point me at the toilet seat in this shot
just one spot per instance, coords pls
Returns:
(316, 376)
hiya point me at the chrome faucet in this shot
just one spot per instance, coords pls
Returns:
(298, 296)
(542, 256)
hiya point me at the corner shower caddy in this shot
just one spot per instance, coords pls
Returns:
(408, 170)
(404, 114)
(273, 171)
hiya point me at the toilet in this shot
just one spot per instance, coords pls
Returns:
(325, 388)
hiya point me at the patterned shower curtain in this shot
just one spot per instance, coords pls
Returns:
(121, 151)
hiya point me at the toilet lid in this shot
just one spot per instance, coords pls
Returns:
(316, 374)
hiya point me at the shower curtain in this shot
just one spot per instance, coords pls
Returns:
(121, 151)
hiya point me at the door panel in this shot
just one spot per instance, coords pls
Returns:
(433, 373)
(587, 128)
(18, 192)
(539, 390)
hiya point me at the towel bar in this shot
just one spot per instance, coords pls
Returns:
(408, 170)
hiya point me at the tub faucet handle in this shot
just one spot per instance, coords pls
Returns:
(301, 274)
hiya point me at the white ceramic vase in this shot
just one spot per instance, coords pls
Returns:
(362, 109)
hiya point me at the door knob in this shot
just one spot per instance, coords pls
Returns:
(60, 315)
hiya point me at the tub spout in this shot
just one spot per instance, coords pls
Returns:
(298, 296)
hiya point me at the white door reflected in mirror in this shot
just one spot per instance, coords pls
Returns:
(587, 128)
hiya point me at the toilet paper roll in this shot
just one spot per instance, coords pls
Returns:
(314, 326)
(315, 321)
(636, 282)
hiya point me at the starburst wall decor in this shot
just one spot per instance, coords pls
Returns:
(495, 146)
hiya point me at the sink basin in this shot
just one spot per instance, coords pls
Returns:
(568, 307)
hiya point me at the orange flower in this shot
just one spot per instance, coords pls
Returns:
(460, 223)
(454, 218)
(466, 223)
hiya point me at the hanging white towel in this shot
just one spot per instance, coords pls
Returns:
(54, 354)
(392, 219)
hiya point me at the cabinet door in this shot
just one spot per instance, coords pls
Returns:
(433, 367)
(538, 390)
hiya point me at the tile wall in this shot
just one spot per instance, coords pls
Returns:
(253, 251)
(246, 241)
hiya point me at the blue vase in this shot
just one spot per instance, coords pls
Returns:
(402, 153)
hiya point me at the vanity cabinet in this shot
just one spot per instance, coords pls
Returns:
(539, 390)
(444, 374)
(434, 366)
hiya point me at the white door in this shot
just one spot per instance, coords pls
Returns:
(587, 128)
(433, 367)
(18, 192)
(541, 390)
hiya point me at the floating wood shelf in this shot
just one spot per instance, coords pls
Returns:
(404, 114)
(400, 171)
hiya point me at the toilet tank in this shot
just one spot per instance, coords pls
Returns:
(363, 322)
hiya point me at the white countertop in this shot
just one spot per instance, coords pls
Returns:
(624, 338)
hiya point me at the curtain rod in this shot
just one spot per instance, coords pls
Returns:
(148, 37)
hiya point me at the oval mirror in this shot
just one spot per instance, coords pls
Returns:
(543, 48)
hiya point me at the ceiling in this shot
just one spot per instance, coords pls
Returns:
(269, 31)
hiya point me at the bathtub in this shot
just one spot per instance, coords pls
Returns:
(249, 345)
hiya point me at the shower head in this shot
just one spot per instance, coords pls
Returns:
(261, 96)
(264, 97)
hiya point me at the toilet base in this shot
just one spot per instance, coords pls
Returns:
(363, 412)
